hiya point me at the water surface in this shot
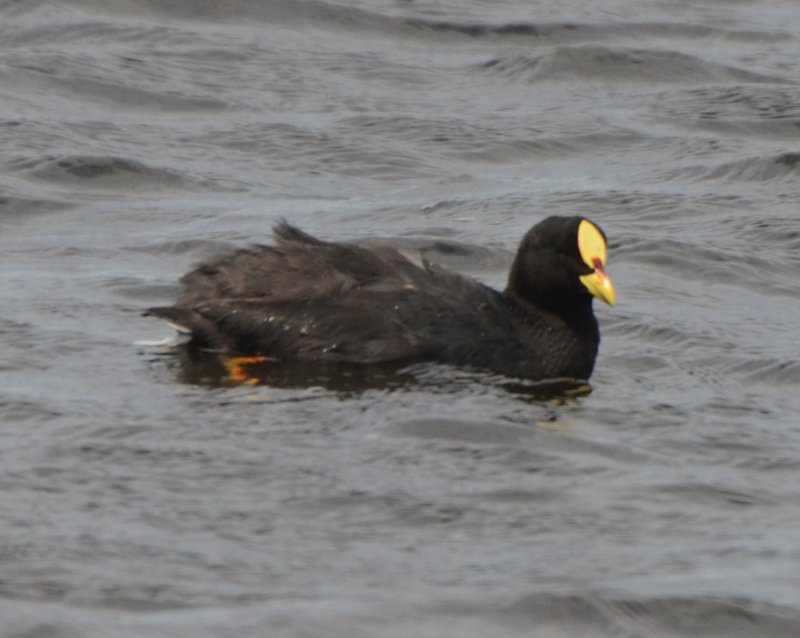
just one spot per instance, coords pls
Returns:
(144, 497)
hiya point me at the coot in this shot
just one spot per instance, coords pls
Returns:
(309, 300)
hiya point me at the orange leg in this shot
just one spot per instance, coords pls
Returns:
(236, 368)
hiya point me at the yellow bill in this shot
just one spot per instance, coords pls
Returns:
(594, 252)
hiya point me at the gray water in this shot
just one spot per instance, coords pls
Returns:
(143, 495)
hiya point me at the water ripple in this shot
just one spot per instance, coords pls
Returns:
(606, 63)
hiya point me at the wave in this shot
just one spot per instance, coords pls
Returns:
(506, 142)
(337, 16)
(613, 63)
(99, 172)
(13, 207)
(765, 168)
(751, 110)
(103, 82)
(541, 614)
(656, 616)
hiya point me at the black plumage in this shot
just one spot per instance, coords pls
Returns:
(304, 299)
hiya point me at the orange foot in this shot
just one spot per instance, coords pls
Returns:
(236, 368)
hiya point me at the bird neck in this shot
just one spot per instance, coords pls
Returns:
(558, 301)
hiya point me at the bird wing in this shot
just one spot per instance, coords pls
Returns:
(305, 298)
(301, 268)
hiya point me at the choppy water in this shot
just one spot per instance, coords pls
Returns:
(141, 498)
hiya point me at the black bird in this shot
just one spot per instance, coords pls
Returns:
(313, 301)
